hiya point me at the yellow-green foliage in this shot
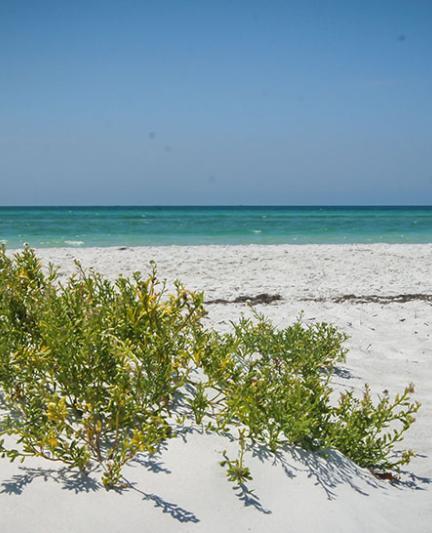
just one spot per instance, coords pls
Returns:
(93, 372)
(275, 386)
(89, 370)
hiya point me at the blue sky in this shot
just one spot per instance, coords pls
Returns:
(215, 102)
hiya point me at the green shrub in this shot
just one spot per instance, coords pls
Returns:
(93, 372)
(274, 382)
(275, 385)
(89, 370)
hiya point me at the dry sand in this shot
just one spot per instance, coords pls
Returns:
(185, 489)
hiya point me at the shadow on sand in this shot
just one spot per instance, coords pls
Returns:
(329, 470)
(78, 482)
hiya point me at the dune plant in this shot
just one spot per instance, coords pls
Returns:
(275, 384)
(94, 372)
(89, 370)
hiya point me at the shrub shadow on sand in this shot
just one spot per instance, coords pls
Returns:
(69, 480)
(329, 470)
(78, 482)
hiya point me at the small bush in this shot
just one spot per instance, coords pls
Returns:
(89, 370)
(275, 385)
(93, 372)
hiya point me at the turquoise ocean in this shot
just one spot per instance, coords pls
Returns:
(137, 226)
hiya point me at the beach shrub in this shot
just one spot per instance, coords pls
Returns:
(89, 370)
(275, 384)
(94, 372)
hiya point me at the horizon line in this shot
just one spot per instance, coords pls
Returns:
(23, 206)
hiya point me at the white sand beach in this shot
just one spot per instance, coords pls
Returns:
(184, 489)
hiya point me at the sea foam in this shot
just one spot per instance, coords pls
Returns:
(74, 243)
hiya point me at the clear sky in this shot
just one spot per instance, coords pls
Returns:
(215, 102)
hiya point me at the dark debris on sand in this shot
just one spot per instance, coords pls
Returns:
(375, 298)
(263, 298)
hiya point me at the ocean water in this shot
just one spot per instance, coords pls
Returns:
(135, 226)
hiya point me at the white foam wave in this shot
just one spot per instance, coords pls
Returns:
(74, 243)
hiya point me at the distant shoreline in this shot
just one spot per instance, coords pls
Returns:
(149, 247)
